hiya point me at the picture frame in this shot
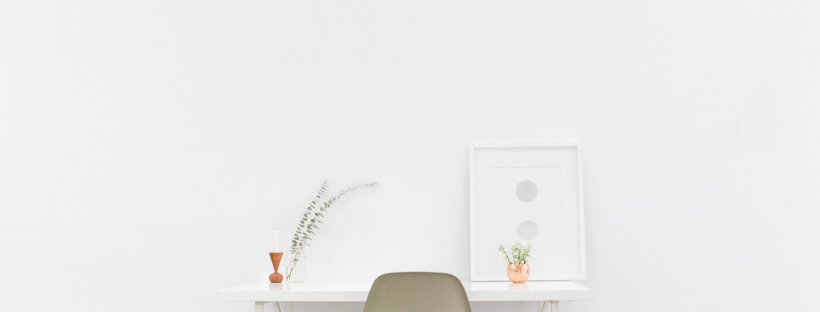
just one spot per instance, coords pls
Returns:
(528, 192)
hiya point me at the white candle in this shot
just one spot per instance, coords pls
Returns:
(275, 240)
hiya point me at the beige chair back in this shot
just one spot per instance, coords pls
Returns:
(417, 292)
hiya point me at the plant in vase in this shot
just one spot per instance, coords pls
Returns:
(518, 271)
(309, 223)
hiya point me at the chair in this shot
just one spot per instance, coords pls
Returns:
(417, 292)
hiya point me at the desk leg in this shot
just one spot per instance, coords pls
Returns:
(277, 306)
(554, 306)
(282, 306)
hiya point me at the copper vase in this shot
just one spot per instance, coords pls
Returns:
(518, 273)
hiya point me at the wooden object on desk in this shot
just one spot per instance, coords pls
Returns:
(275, 258)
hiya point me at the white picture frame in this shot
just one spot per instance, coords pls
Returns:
(547, 204)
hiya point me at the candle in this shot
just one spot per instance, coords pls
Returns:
(275, 240)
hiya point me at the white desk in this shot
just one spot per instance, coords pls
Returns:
(282, 295)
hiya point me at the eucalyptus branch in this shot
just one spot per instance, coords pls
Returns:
(301, 227)
(311, 220)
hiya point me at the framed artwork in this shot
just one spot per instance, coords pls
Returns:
(530, 193)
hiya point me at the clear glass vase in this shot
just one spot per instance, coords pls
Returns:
(297, 268)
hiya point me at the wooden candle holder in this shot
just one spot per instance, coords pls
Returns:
(275, 258)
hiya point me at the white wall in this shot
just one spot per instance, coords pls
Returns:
(148, 148)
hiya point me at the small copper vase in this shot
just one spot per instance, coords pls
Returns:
(275, 258)
(518, 273)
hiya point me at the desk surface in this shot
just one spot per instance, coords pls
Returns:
(357, 291)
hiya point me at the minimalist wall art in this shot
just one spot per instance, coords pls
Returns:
(530, 193)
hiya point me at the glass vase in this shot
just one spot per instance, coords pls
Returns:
(297, 268)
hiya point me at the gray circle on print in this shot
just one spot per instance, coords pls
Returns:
(528, 229)
(526, 191)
